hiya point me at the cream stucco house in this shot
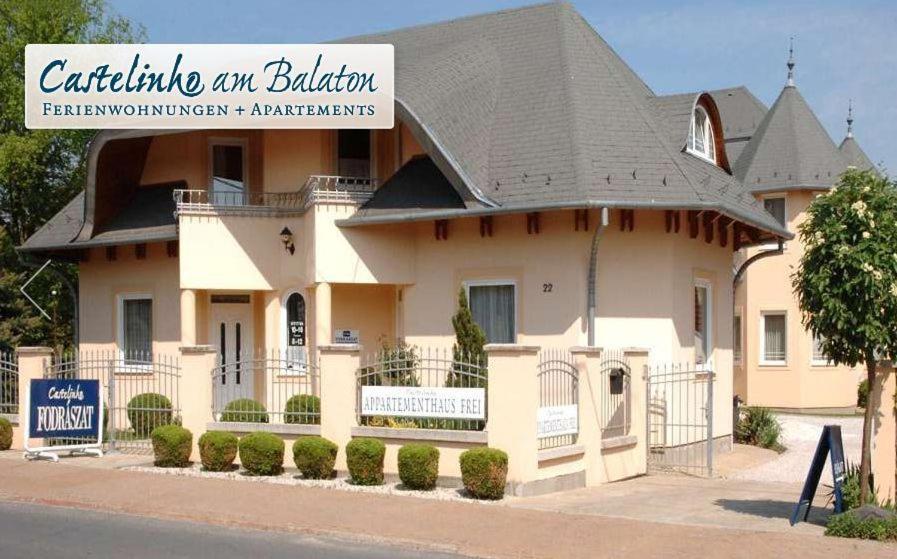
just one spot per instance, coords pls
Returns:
(522, 146)
(785, 158)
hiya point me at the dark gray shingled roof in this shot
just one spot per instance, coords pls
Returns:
(790, 149)
(529, 109)
(148, 217)
(417, 185)
(854, 155)
(741, 113)
(539, 112)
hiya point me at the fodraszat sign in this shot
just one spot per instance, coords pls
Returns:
(553, 421)
(62, 408)
(209, 86)
(415, 401)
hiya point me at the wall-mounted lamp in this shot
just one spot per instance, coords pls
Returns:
(286, 237)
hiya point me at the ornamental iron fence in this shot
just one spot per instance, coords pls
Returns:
(558, 399)
(9, 384)
(422, 388)
(271, 386)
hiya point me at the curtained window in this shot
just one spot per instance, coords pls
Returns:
(493, 309)
(136, 328)
(353, 153)
(819, 357)
(774, 339)
(736, 338)
(700, 135)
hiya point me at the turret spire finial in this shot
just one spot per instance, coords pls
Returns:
(850, 118)
(791, 63)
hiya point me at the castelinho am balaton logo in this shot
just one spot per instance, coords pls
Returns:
(209, 86)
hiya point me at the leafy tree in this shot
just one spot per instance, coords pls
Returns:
(467, 352)
(846, 284)
(40, 170)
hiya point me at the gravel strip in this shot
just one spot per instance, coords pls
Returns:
(800, 435)
(295, 479)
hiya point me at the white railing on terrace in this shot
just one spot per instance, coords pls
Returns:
(317, 189)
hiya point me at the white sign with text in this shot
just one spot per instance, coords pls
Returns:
(415, 401)
(192, 86)
(553, 421)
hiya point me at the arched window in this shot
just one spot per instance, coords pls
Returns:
(700, 135)
(295, 332)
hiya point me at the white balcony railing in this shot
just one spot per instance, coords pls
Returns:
(317, 189)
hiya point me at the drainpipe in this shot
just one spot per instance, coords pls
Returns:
(759, 256)
(593, 272)
(73, 292)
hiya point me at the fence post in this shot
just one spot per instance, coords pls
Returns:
(111, 404)
(32, 363)
(513, 401)
(638, 386)
(709, 413)
(197, 363)
(339, 364)
(588, 365)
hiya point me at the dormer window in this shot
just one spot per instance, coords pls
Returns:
(700, 136)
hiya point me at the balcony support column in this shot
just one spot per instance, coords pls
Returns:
(323, 322)
(188, 317)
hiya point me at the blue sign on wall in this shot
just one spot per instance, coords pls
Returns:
(65, 408)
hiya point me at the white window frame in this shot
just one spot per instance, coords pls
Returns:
(708, 285)
(710, 145)
(817, 362)
(223, 141)
(121, 365)
(738, 358)
(302, 370)
(495, 282)
(784, 198)
(762, 357)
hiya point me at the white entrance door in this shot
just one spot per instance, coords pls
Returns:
(231, 333)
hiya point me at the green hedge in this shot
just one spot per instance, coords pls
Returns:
(881, 525)
(364, 457)
(419, 466)
(147, 411)
(303, 409)
(5, 434)
(172, 445)
(484, 472)
(218, 449)
(262, 453)
(315, 457)
(245, 410)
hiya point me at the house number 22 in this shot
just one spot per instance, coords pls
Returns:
(547, 287)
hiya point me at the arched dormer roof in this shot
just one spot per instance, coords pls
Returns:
(677, 112)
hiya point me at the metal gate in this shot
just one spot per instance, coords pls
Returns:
(9, 385)
(140, 394)
(680, 419)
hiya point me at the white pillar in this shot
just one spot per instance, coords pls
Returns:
(188, 317)
(323, 322)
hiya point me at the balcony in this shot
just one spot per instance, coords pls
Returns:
(317, 189)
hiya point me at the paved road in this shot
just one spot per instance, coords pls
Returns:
(43, 531)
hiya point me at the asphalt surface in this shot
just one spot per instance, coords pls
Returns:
(28, 530)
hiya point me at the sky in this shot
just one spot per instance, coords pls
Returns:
(843, 50)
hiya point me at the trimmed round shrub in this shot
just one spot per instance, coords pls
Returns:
(419, 466)
(147, 411)
(303, 409)
(5, 434)
(262, 454)
(315, 457)
(245, 410)
(218, 449)
(484, 472)
(172, 445)
(364, 457)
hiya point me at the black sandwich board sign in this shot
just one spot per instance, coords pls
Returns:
(829, 445)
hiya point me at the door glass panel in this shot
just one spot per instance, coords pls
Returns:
(228, 178)
(238, 349)
(223, 351)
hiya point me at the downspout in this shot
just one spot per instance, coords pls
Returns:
(593, 273)
(73, 293)
(759, 256)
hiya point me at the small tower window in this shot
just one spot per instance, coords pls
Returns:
(700, 135)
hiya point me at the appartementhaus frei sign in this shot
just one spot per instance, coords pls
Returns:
(209, 86)
(412, 401)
